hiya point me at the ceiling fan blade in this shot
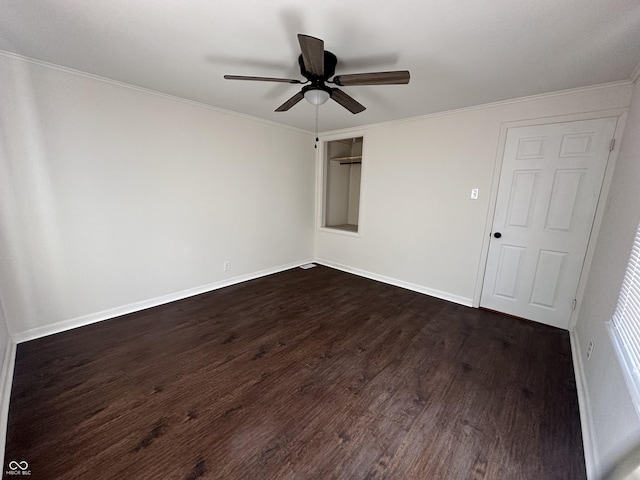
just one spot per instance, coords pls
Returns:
(399, 77)
(312, 54)
(261, 79)
(290, 103)
(346, 101)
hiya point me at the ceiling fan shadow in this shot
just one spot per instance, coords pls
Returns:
(382, 60)
(243, 62)
(293, 22)
(279, 91)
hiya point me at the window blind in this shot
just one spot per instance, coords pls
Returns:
(624, 326)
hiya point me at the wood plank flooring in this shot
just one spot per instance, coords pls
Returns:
(305, 374)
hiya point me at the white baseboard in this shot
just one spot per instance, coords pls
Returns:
(6, 380)
(591, 459)
(468, 302)
(70, 324)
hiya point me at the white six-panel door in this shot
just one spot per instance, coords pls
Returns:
(547, 197)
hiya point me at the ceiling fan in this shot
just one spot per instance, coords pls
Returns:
(318, 66)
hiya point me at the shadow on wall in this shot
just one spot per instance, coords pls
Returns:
(27, 209)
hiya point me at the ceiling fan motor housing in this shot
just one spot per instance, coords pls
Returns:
(330, 62)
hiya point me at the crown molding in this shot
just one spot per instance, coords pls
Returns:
(99, 78)
(633, 78)
(485, 105)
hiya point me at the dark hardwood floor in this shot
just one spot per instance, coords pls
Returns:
(306, 374)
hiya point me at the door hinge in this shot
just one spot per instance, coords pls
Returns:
(612, 145)
(574, 304)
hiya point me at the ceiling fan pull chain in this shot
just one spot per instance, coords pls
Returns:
(317, 139)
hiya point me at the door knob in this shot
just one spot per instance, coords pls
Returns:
(497, 234)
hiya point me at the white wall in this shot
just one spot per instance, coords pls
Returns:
(353, 207)
(112, 196)
(612, 417)
(417, 223)
(337, 206)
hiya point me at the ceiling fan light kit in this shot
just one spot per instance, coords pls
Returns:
(318, 67)
(316, 96)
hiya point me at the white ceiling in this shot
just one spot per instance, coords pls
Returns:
(460, 52)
